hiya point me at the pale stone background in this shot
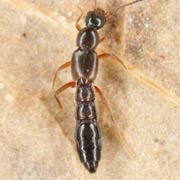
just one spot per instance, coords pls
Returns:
(37, 139)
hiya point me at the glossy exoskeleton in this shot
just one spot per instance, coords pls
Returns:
(84, 66)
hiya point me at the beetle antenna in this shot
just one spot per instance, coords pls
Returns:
(128, 4)
(108, 17)
(95, 4)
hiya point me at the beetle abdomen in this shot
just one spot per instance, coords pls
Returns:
(88, 144)
(87, 134)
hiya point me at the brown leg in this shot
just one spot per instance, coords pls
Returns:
(78, 27)
(107, 16)
(65, 65)
(104, 101)
(101, 40)
(116, 129)
(115, 58)
(95, 4)
(61, 89)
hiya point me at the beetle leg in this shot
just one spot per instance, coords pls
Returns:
(78, 27)
(116, 129)
(63, 66)
(115, 58)
(61, 89)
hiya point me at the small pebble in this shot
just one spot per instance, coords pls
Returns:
(63, 21)
(69, 14)
(2, 86)
(8, 97)
(130, 19)
(146, 25)
(23, 20)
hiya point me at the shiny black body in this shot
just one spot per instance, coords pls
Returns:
(84, 66)
(87, 132)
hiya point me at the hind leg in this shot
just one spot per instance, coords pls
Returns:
(117, 131)
(61, 89)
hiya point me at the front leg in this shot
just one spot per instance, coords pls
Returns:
(78, 27)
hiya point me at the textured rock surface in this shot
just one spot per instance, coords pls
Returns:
(36, 138)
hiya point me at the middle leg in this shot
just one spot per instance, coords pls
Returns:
(63, 66)
(115, 58)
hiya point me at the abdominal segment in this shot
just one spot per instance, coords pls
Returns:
(87, 134)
